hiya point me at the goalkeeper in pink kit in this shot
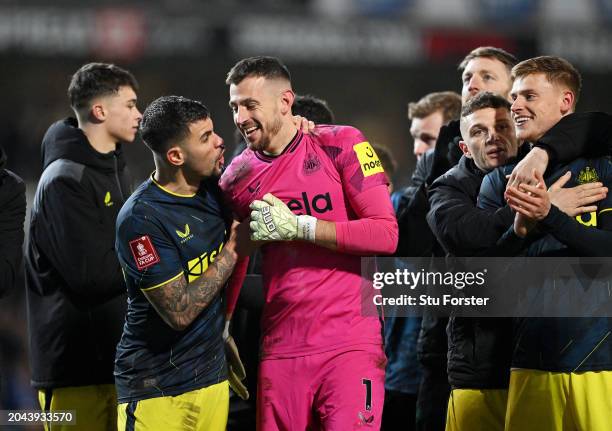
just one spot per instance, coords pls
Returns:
(317, 202)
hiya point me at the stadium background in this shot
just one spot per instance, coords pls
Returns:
(367, 58)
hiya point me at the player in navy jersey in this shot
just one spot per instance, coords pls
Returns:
(177, 248)
(561, 367)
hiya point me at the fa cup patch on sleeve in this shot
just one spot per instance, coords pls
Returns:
(368, 160)
(144, 252)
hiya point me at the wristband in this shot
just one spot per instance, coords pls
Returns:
(306, 227)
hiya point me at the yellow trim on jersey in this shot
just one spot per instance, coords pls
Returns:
(168, 191)
(161, 284)
(605, 210)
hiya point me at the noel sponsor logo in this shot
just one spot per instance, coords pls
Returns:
(368, 159)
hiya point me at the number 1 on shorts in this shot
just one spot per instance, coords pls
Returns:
(368, 400)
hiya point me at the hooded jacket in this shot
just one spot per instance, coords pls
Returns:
(75, 290)
(12, 215)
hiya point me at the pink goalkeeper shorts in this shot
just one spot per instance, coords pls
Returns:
(336, 390)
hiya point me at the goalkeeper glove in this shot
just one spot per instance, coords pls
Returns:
(272, 220)
(235, 370)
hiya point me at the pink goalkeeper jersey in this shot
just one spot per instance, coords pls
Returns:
(312, 294)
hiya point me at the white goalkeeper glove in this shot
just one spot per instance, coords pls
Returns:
(235, 370)
(272, 220)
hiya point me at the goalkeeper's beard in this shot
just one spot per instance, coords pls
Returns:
(267, 134)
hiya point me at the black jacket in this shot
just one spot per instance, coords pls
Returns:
(75, 290)
(460, 227)
(12, 215)
(479, 350)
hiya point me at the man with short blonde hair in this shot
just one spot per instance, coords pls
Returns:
(561, 367)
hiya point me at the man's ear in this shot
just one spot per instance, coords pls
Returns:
(286, 100)
(464, 148)
(98, 112)
(567, 102)
(175, 156)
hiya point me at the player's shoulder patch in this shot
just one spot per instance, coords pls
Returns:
(144, 252)
(368, 159)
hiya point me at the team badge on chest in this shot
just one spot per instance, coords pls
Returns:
(311, 164)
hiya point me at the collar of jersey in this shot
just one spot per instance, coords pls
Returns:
(288, 149)
(168, 191)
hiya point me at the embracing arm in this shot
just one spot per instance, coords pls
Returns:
(578, 135)
(461, 227)
(235, 285)
(587, 134)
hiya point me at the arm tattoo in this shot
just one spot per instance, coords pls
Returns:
(179, 302)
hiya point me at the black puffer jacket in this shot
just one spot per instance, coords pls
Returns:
(75, 288)
(479, 350)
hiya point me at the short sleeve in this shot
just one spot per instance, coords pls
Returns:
(148, 257)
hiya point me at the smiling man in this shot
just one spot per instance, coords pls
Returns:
(561, 367)
(318, 201)
(537, 83)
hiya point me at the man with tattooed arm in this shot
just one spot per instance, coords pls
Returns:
(177, 248)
